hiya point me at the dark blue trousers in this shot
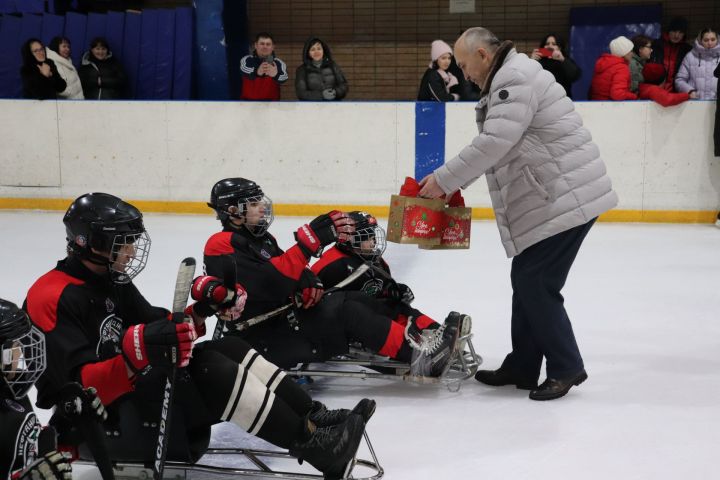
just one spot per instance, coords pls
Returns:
(540, 326)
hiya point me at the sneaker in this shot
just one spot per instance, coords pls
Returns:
(322, 417)
(330, 449)
(437, 348)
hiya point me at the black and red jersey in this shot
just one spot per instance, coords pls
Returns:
(83, 316)
(19, 433)
(335, 265)
(268, 274)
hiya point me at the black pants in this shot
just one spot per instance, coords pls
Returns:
(540, 325)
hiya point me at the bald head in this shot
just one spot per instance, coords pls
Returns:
(478, 37)
(474, 52)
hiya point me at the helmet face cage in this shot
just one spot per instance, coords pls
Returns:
(258, 226)
(128, 256)
(23, 361)
(369, 242)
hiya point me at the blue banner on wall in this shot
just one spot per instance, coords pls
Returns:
(429, 137)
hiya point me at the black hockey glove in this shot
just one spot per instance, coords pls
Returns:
(161, 343)
(76, 401)
(309, 289)
(52, 466)
(331, 227)
(400, 293)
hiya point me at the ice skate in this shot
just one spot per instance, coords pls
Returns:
(438, 347)
(322, 417)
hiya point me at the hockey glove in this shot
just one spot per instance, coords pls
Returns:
(76, 401)
(53, 466)
(309, 289)
(215, 296)
(400, 292)
(159, 344)
(332, 227)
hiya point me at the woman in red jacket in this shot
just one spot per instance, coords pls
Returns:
(611, 79)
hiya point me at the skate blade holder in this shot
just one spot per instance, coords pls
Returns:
(217, 463)
(462, 366)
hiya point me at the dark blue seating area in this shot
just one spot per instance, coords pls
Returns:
(154, 46)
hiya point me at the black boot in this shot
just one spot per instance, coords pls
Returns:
(322, 417)
(504, 376)
(330, 449)
(553, 388)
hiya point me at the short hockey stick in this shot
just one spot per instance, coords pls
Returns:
(244, 325)
(182, 290)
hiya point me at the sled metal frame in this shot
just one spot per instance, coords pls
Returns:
(462, 366)
(183, 470)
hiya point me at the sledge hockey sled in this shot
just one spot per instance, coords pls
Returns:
(462, 366)
(238, 463)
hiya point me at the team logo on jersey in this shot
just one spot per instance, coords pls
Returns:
(372, 287)
(14, 405)
(26, 443)
(109, 305)
(110, 337)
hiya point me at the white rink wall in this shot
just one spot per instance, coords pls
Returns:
(319, 153)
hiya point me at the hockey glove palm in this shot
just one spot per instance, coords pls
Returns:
(309, 289)
(159, 344)
(400, 293)
(215, 296)
(332, 227)
(53, 466)
(76, 401)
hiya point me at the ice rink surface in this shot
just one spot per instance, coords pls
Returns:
(644, 300)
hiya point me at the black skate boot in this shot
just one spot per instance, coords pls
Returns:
(330, 449)
(438, 347)
(322, 417)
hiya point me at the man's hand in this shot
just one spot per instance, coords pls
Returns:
(430, 188)
(271, 69)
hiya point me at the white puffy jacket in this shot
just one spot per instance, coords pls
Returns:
(544, 173)
(67, 71)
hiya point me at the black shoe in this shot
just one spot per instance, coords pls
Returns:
(322, 417)
(331, 449)
(503, 376)
(553, 388)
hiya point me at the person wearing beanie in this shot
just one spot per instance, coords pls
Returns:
(438, 84)
(611, 79)
(696, 72)
(670, 49)
(319, 77)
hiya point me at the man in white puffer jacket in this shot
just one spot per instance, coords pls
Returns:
(59, 52)
(547, 184)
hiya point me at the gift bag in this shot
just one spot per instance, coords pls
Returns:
(455, 227)
(414, 220)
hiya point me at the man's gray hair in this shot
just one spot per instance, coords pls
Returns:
(477, 37)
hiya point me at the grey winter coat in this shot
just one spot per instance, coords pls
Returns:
(544, 173)
(696, 72)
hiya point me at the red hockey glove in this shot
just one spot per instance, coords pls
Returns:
(324, 230)
(159, 344)
(212, 295)
(309, 289)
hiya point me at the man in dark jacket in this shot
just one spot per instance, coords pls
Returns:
(262, 72)
(670, 49)
(319, 77)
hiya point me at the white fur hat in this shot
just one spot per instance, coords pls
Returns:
(621, 46)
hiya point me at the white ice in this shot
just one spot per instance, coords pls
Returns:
(644, 304)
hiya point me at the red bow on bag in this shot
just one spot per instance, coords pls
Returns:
(411, 188)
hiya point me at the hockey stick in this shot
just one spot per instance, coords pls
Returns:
(244, 325)
(182, 290)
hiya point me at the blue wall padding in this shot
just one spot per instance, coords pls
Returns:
(96, 27)
(75, 27)
(114, 32)
(131, 50)
(148, 53)
(10, 58)
(182, 72)
(52, 26)
(429, 137)
(22, 6)
(165, 58)
(211, 72)
(31, 27)
(235, 20)
(592, 28)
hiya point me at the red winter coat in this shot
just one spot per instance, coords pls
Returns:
(663, 97)
(611, 80)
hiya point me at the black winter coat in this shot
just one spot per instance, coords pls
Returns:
(310, 81)
(716, 134)
(113, 80)
(565, 72)
(38, 86)
(432, 88)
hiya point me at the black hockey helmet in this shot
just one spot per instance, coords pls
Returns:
(106, 224)
(22, 351)
(369, 238)
(241, 193)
